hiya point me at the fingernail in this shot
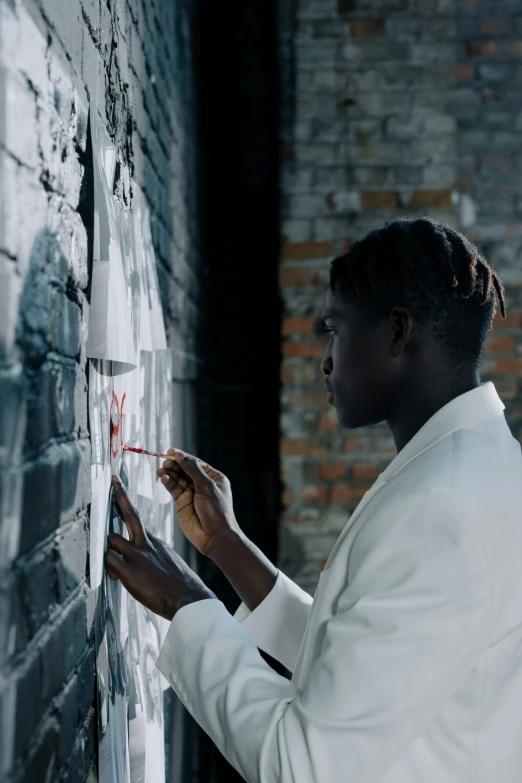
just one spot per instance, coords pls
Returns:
(164, 479)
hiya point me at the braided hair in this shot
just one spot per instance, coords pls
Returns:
(433, 270)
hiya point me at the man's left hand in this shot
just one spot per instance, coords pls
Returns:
(153, 573)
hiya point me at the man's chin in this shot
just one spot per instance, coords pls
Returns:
(349, 420)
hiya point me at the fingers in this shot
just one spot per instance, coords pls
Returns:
(116, 567)
(194, 470)
(130, 515)
(121, 546)
(182, 457)
(172, 477)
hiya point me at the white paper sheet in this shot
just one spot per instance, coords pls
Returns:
(110, 332)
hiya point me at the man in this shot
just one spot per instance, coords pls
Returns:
(407, 665)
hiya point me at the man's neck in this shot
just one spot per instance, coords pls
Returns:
(422, 402)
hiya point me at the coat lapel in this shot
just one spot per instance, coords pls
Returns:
(351, 521)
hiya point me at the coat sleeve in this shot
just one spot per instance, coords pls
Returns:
(278, 624)
(412, 620)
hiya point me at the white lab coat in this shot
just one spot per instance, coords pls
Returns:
(407, 664)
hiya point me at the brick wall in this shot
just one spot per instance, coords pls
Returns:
(51, 53)
(389, 108)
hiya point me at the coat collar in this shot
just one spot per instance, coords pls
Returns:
(461, 412)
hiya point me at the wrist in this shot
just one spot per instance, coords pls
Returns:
(225, 545)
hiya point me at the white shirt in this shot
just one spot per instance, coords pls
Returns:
(407, 664)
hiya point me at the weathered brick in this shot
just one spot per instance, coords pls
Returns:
(464, 71)
(440, 199)
(298, 251)
(353, 444)
(346, 495)
(299, 325)
(379, 199)
(43, 762)
(304, 349)
(329, 471)
(312, 447)
(507, 367)
(39, 588)
(328, 421)
(317, 493)
(513, 320)
(287, 497)
(71, 558)
(483, 48)
(365, 472)
(503, 344)
(366, 28)
(294, 276)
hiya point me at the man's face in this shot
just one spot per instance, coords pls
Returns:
(357, 363)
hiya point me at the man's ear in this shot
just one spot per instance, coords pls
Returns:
(402, 326)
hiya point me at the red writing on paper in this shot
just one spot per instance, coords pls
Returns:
(116, 414)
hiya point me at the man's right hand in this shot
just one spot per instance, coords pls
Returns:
(203, 499)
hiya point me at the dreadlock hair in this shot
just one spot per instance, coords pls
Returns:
(433, 270)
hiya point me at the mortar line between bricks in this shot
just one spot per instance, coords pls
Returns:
(83, 727)
(48, 718)
(24, 560)
(21, 662)
(63, 440)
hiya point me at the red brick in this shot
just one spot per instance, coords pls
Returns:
(507, 367)
(498, 26)
(346, 245)
(494, 162)
(464, 71)
(287, 497)
(344, 494)
(287, 372)
(303, 447)
(367, 28)
(298, 251)
(503, 344)
(507, 388)
(513, 320)
(516, 48)
(304, 349)
(299, 325)
(365, 472)
(297, 276)
(329, 471)
(379, 199)
(352, 444)
(483, 48)
(315, 397)
(440, 199)
(327, 423)
(316, 492)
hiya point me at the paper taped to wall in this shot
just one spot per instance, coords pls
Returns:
(130, 382)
